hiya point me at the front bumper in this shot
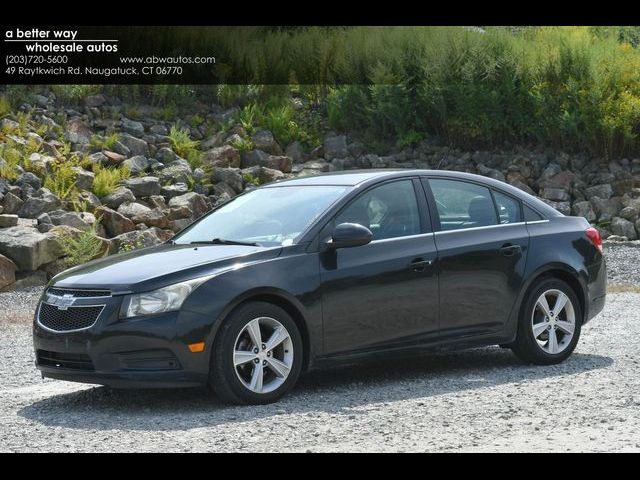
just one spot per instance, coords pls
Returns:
(150, 352)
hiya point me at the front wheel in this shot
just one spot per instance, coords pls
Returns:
(257, 355)
(549, 324)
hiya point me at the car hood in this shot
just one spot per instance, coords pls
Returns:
(154, 267)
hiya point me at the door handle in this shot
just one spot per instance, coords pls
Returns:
(419, 264)
(510, 250)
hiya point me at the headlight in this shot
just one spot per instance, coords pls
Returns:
(166, 299)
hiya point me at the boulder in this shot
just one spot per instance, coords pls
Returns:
(166, 155)
(195, 202)
(263, 174)
(8, 220)
(624, 228)
(252, 158)
(555, 194)
(84, 178)
(133, 127)
(114, 222)
(179, 171)
(132, 210)
(605, 209)
(295, 152)
(170, 191)
(28, 248)
(7, 271)
(42, 201)
(335, 146)
(31, 179)
(584, 209)
(11, 203)
(137, 164)
(135, 145)
(141, 238)
(152, 218)
(143, 186)
(100, 158)
(78, 132)
(265, 141)
(225, 156)
(230, 176)
(603, 191)
(79, 220)
(118, 197)
(112, 158)
(94, 101)
(490, 172)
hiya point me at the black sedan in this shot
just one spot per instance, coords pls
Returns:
(317, 270)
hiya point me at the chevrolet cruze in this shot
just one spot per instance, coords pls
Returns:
(314, 271)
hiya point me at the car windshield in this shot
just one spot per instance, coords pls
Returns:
(267, 216)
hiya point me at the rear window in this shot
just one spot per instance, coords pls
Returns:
(530, 215)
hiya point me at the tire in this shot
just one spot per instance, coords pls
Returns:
(236, 342)
(535, 344)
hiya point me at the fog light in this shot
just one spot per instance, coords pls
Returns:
(196, 347)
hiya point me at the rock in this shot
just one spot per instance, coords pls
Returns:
(141, 238)
(555, 194)
(584, 209)
(174, 190)
(8, 220)
(223, 190)
(166, 155)
(152, 218)
(132, 210)
(335, 147)
(27, 247)
(624, 228)
(78, 132)
(79, 220)
(100, 158)
(522, 186)
(89, 200)
(195, 202)
(111, 158)
(180, 224)
(263, 174)
(281, 163)
(7, 272)
(84, 178)
(176, 213)
(118, 197)
(133, 127)
(11, 203)
(94, 101)
(225, 156)
(114, 222)
(42, 201)
(157, 201)
(603, 191)
(179, 171)
(135, 145)
(159, 130)
(137, 164)
(230, 176)
(143, 186)
(490, 172)
(265, 141)
(317, 166)
(28, 178)
(295, 152)
(630, 212)
(41, 101)
(37, 278)
(605, 209)
(562, 207)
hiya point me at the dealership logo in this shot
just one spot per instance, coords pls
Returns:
(62, 302)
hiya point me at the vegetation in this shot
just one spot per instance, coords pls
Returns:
(184, 146)
(80, 247)
(108, 142)
(62, 180)
(107, 179)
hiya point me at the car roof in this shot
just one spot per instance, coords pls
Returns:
(361, 178)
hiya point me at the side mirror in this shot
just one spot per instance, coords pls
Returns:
(348, 235)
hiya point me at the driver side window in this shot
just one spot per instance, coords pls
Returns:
(389, 211)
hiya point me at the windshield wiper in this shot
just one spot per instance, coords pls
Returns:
(223, 241)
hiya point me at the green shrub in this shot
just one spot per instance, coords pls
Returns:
(108, 142)
(74, 93)
(80, 247)
(5, 106)
(184, 146)
(107, 179)
(62, 180)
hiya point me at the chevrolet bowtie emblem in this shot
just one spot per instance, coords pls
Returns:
(62, 302)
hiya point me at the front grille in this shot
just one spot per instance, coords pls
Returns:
(73, 318)
(72, 361)
(78, 293)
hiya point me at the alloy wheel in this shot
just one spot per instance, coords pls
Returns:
(553, 321)
(263, 355)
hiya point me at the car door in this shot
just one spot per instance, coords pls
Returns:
(384, 293)
(482, 246)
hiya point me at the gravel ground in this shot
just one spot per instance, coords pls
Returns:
(475, 400)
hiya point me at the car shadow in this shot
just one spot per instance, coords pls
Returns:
(335, 391)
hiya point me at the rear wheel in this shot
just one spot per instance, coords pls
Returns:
(257, 355)
(549, 324)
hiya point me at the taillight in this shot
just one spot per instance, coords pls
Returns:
(594, 236)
